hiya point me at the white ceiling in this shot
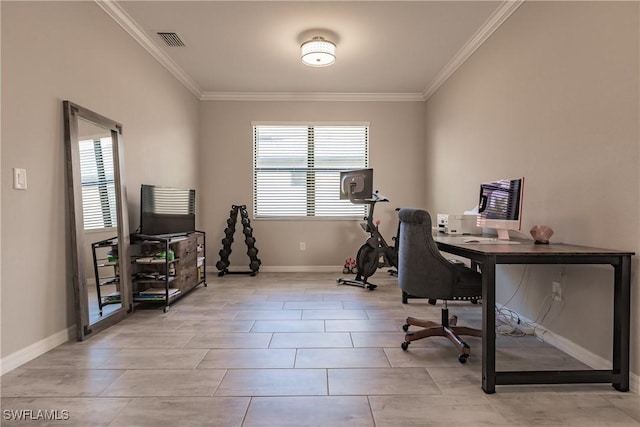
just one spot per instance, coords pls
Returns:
(400, 50)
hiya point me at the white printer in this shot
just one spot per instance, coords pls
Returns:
(458, 224)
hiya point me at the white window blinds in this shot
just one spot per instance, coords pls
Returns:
(98, 184)
(297, 169)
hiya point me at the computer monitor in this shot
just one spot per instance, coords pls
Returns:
(356, 184)
(500, 206)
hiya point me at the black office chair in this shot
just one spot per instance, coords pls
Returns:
(424, 273)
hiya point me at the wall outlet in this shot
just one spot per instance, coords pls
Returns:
(303, 246)
(556, 291)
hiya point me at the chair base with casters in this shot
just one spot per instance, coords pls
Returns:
(447, 328)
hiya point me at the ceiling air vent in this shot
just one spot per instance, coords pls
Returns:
(171, 39)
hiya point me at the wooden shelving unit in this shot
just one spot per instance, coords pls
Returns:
(167, 268)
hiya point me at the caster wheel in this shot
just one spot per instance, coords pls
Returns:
(405, 345)
(463, 358)
(166, 309)
(405, 328)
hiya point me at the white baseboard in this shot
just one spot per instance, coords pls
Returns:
(20, 357)
(288, 269)
(580, 353)
(634, 383)
(302, 269)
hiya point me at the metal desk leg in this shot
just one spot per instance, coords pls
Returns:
(621, 328)
(489, 324)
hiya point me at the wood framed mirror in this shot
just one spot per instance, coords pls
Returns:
(99, 229)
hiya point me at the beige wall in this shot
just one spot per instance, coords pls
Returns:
(552, 96)
(52, 51)
(396, 154)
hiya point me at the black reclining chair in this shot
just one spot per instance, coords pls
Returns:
(424, 273)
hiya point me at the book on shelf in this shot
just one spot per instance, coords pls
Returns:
(112, 297)
(152, 260)
(159, 291)
(150, 278)
(155, 296)
(138, 298)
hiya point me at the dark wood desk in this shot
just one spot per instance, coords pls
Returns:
(489, 255)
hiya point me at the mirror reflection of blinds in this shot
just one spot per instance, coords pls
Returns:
(168, 201)
(98, 184)
(297, 169)
(502, 199)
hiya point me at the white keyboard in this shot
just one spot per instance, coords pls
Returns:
(474, 240)
(487, 241)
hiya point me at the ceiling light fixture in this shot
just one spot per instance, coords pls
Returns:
(318, 52)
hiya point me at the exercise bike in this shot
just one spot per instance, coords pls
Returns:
(375, 252)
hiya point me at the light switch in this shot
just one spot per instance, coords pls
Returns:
(19, 179)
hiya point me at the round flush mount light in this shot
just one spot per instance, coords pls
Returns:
(318, 52)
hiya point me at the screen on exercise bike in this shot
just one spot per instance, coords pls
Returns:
(356, 184)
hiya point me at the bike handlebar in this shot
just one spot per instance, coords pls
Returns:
(377, 197)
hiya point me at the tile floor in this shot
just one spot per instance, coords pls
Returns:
(295, 350)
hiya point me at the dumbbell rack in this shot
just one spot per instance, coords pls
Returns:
(229, 231)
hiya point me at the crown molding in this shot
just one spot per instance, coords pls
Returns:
(309, 96)
(489, 27)
(113, 9)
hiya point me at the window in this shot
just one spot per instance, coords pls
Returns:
(98, 184)
(297, 169)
